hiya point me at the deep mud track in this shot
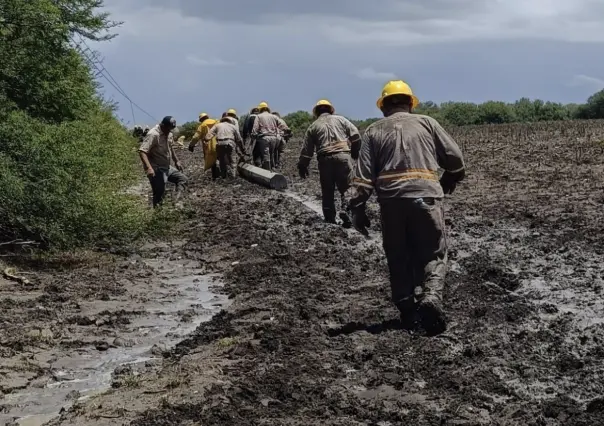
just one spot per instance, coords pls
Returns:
(311, 337)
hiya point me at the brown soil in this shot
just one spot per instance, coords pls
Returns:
(311, 337)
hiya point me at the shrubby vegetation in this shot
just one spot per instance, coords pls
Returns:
(467, 113)
(65, 160)
(491, 112)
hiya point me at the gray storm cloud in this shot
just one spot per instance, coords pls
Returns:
(263, 11)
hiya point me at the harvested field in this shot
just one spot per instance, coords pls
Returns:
(310, 336)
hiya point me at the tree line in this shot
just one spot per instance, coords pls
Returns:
(466, 113)
(492, 112)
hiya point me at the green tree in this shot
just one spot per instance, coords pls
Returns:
(459, 113)
(493, 112)
(594, 108)
(299, 121)
(65, 160)
(188, 129)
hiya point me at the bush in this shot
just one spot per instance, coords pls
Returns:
(187, 130)
(64, 184)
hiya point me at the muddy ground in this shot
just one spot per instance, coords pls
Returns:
(310, 336)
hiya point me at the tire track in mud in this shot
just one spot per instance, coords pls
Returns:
(312, 338)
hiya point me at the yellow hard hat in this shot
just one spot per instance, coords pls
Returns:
(323, 102)
(262, 105)
(232, 112)
(397, 87)
(203, 116)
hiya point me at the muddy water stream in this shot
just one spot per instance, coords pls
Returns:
(176, 306)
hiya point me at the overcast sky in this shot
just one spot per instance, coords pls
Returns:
(182, 57)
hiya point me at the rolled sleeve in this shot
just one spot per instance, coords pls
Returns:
(308, 148)
(148, 142)
(448, 152)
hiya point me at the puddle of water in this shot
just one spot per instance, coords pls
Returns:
(89, 372)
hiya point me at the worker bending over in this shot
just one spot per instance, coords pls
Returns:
(157, 153)
(399, 159)
(209, 148)
(334, 138)
(228, 143)
(265, 132)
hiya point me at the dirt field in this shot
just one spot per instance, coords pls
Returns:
(309, 336)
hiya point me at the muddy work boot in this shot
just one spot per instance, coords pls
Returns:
(346, 222)
(408, 313)
(432, 316)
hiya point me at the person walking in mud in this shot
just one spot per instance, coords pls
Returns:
(400, 156)
(209, 148)
(336, 141)
(156, 153)
(228, 143)
(265, 132)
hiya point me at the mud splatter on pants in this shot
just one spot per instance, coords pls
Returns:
(263, 151)
(162, 176)
(226, 160)
(334, 173)
(416, 249)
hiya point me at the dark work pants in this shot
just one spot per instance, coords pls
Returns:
(276, 151)
(263, 152)
(226, 159)
(162, 176)
(413, 231)
(335, 172)
(215, 171)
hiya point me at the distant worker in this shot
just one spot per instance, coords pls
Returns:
(333, 137)
(246, 134)
(146, 130)
(139, 133)
(280, 147)
(228, 144)
(180, 143)
(400, 157)
(209, 148)
(265, 132)
(157, 153)
(232, 115)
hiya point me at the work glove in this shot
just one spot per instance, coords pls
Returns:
(191, 148)
(303, 171)
(448, 182)
(360, 221)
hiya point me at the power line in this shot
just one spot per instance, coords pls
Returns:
(102, 71)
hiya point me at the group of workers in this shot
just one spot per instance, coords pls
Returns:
(398, 157)
(260, 139)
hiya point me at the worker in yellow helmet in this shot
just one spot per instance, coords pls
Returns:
(233, 118)
(399, 159)
(209, 148)
(265, 131)
(229, 144)
(333, 137)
